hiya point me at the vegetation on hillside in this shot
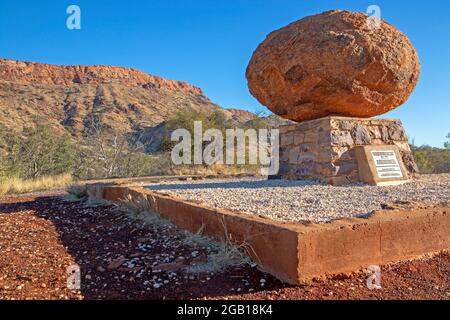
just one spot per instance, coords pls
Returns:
(447, 144)
(37, 153)
(185, 120)
(432, 160)
(40, 159)
(215, 120)
(108, 154)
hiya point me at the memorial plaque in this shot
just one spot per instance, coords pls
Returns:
(387, 164)
(381, 165)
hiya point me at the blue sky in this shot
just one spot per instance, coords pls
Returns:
(209, 43)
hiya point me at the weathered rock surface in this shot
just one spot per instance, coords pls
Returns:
(333, 64)
(46, 74)
(242, 115)
(127, 101)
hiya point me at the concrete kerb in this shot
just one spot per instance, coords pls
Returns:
(296, 253)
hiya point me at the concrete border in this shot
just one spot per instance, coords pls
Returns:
(297, 253)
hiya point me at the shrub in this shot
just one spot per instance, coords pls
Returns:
(38, 153)
(432, 160)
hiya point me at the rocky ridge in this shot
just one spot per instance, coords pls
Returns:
(46, 74)
(67, 97)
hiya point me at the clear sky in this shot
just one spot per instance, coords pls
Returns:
(209, 42)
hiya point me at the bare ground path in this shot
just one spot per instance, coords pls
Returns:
(41, 235)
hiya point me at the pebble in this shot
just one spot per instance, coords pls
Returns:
(306, 200)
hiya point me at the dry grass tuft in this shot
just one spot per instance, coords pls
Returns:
(139, 208)
(77, 192)
(225, 254)
(19, 186)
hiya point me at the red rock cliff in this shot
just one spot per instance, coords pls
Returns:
(29, 72)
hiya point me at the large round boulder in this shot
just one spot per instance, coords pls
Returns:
(333, 63)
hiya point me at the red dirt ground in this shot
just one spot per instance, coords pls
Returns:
(41, 235)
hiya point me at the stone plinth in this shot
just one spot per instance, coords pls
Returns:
(325, 149)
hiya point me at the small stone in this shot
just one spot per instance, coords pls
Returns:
(341, 138)
(361, 136)
(116, 263)
(346, 125)
(169, 267)
(101, 269)
(396, 132)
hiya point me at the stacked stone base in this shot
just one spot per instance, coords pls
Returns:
(324, 149)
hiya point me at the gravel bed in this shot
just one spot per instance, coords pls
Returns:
(306, 200)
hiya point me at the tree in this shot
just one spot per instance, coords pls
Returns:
(42, 153)
(9, 158)
(447, 144)
(185, 120)
(110, 154)
(432, 160)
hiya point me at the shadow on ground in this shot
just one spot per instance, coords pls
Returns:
(253, 184)
(97, 237)
(60, 232)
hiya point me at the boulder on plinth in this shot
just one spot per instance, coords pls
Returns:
(334, 63)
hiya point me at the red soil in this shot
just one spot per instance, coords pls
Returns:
(41, 235)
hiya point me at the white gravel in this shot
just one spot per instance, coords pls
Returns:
(306, 200)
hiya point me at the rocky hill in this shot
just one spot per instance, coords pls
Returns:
(39, 73)
(242, 115)
(66, 97)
